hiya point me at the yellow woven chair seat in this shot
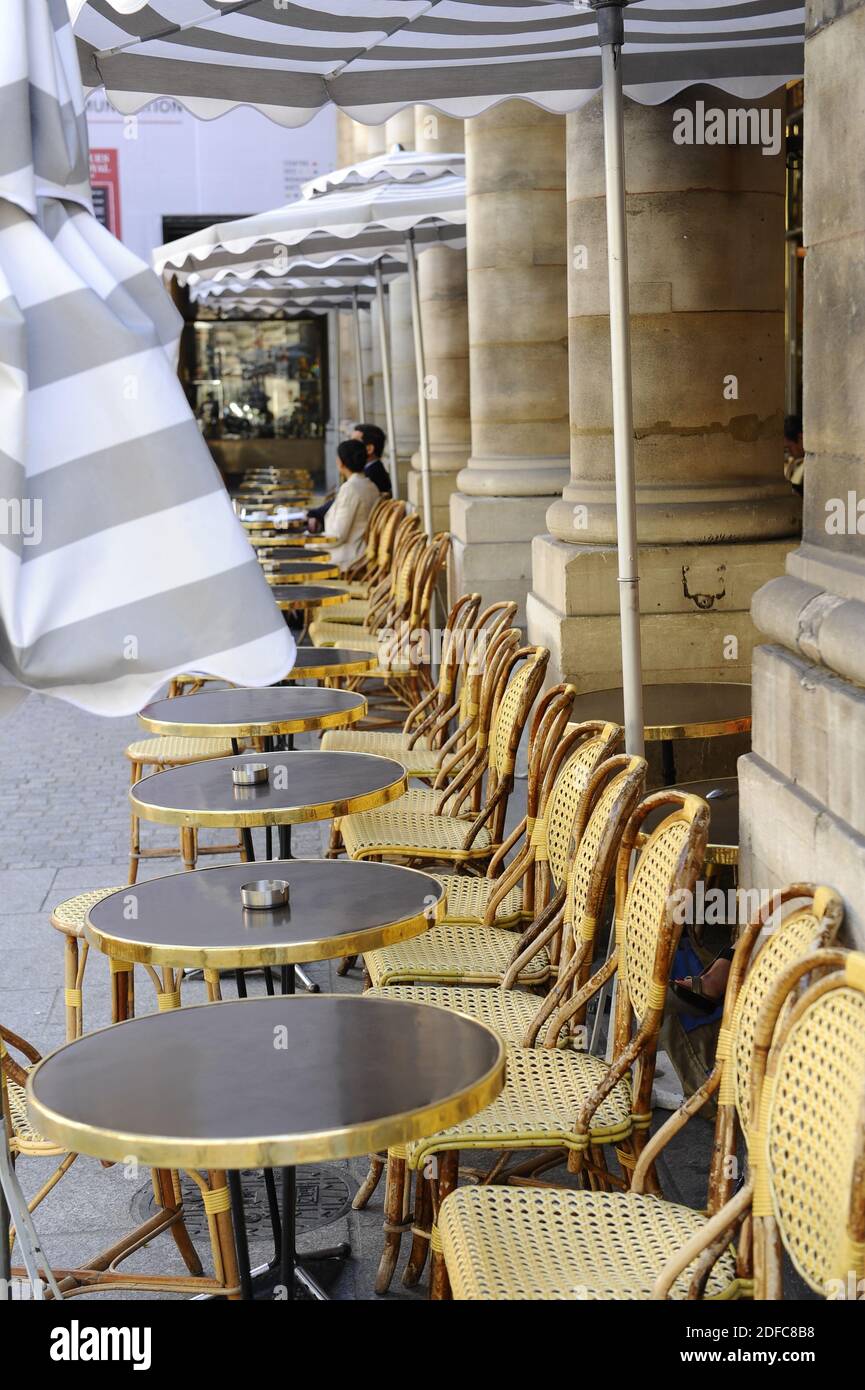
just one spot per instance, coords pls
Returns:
(543, 1092)
(174, 748)
(354, 610)
(69, 916)
(420, 761)
(508, 1011)
(468, 899)
(537, 1244)
(408, 829)
(25, 1139)
(469, 955)
(327, 634)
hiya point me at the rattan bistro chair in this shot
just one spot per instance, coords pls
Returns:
(557, 1098)
(421, 743)
(68, 918)
(173, 751)
(461, 951)
(553, 1244)
(443, 827)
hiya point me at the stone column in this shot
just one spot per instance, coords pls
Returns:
(714, 512)
(399, 130)
(444, 312)
(803, 812)
(517, 300)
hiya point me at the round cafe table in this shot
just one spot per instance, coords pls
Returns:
(302, 786)
(306, 598)
(303, 572)
(197, 921)
(259, 713)
(274, 566)
(322, 663)
(705, 709)
(283, 538)
(266, 1083)
(261, 523)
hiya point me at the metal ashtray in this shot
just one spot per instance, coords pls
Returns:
(249, 774)
(264, 892)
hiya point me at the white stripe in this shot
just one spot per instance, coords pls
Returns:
(151, 555)
(89, 411)
(263, 661)
(33, 271)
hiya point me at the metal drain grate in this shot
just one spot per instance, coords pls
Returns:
(324, 1194)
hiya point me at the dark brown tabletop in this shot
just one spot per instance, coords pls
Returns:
(242, 713)
(302, 787)
(264, 1083)
(319, 663)
(308, 595)
(303, 571)
(722, 796)
(690, 710)
(336, 908)
(276, 565)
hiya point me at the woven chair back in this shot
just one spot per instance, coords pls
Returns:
(807, 1147)
(553, 832)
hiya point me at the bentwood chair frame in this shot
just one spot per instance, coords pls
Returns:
(612, 1245)
(647, 934)
(606, 805)
(487, 773)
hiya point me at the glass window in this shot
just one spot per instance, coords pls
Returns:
(258, 380)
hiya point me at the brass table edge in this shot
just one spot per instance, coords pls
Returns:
(258, 729)
(349, 1141)
(286, 815)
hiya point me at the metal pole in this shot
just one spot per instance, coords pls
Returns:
(358, 359)
(384, 344)
(420, 369)
(611, 34)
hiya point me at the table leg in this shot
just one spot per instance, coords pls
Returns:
(240, 1242)
(668, 762)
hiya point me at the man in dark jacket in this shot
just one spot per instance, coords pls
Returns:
(373, 440)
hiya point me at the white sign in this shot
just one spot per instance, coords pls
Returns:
(170, 164)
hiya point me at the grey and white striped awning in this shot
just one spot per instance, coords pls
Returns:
(397, 166)
(371, 58)
(355, 225)
(263, 296)
(121, 560)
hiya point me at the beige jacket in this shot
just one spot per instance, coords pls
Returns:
(346, 520)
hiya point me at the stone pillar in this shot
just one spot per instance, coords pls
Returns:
(444, 312)
(403, 381)
(517, 300)
(802, 808)
(399, 130)
(347, 375)
(345, 139)
(714, 512)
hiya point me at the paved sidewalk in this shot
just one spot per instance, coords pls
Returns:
(64, 828)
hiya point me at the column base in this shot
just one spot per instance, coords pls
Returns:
(492, 546)
(695, 602)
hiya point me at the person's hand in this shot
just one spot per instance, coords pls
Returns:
(312, 524)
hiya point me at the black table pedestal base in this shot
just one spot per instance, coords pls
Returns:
(287, 1276)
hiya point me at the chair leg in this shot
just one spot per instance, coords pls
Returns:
(164, 1191)
(71, 992)
(370, 1182)
(122, 991)
(135, 835)
(448, 1177)
(421, 1233)
(393, 1224)
(346, 964)
(187, 846)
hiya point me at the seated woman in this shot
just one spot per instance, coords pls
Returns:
(355, 498)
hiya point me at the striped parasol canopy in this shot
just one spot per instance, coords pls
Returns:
(121, 560)
(372, 58)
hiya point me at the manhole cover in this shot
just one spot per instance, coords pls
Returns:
(324, 1194)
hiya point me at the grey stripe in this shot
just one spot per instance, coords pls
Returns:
(77, 332)
(128, 72)
(109, 487)
(205, 617)
(262, 253)
(38, 130)
(13, 340)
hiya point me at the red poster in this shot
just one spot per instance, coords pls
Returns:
(105, 183)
